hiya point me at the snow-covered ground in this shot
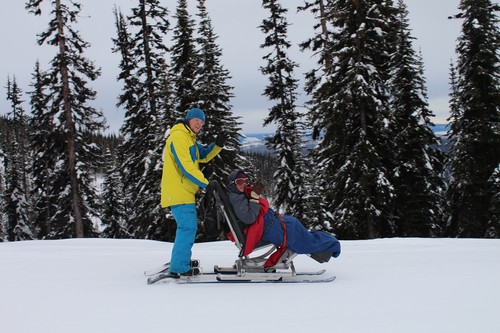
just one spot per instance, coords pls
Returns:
(383, 285)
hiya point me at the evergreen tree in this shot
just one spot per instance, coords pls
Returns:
(16, 194)
(318, 217)
(73, 119)
(475, 130)
(455, 111)
(15, 200)
(3, 216)
(454, 114)
(417, 161)
(142, 65)
(113, 214)
(184, 62)
(214, 98)
(19, 127)
(282, 87)
(167, 103)
(129, 101)
(494, 222)
(123, 45)
(45, 148)
(351, 108)
(318, 44)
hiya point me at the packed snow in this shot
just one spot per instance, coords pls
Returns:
(383, 285)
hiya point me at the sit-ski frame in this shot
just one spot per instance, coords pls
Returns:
(245, 267)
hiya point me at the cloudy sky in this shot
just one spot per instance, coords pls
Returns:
(236, 24)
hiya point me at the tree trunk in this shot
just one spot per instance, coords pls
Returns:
(70, 127)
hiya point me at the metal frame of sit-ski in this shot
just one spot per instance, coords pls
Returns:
(246, 267)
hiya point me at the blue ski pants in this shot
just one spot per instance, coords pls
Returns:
(186, 219)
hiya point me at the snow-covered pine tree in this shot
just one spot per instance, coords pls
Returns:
(184, 62)
(318, 216)
(123, 45)
(3, 215)
(128, 100)
(454, 104)
(73, 119)
(143, 62)
(319, 44)
(20, 121)
(417, 163)
(113, 214)
(45, 150)
(16, 206)
(282, 92)
(351, 109)
(214, 98)
(494, 222)
(475, 127)
(16, 194)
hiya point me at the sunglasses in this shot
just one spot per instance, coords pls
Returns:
(241, 181)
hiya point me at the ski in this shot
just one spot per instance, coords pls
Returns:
(161, 276)
(312, 273)
(168, 276)
(164, 268)
(301, 277)
(158, 270)
(222, 279)
(277, 278)
(232, 270)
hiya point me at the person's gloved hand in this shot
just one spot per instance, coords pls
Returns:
(258, 188)
(209, 188)
(221, 138)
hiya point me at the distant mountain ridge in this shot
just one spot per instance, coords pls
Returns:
(254, 142)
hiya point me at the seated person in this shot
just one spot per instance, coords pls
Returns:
(264, 224)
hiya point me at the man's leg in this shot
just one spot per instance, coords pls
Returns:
(185, 216)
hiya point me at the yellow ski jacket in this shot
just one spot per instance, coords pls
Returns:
(181, 175)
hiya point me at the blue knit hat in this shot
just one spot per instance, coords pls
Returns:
(195, 113)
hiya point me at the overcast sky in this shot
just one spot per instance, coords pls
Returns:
(236, 24)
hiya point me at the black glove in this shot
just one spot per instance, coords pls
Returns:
(221, 138)
(258, 188)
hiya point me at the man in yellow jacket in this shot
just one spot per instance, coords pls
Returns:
(181, 179)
